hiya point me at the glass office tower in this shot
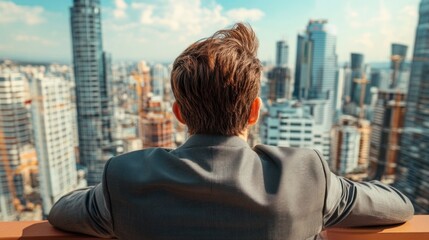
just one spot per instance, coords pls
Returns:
(413, 166)
(316, 65)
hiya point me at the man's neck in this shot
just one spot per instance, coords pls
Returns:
(244, 135)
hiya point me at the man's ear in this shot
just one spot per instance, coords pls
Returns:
(254, 111)
(177, 113)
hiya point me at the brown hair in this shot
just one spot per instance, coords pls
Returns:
(215, 81)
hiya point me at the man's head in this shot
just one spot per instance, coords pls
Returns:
(216, 83)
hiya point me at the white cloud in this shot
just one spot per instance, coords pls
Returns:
(365, 40)
(34, 39)
(121, 7)
(410, 11)
(190, 17)
(383, 16)
(243, 14)
(376, 27)
(11, 12)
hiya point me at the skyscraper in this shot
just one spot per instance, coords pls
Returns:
(279, 77)
(357, 68)
(92, 73)
(52, 120)
(413, 164)
(282, 53)
(316, 65)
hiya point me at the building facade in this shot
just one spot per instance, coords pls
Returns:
(412, 175)
(345, 142)
(290, 124)
(282, 53)
(316, 65)
(387, 128)
(53, 131)
(92, 73)
(17, 154)
(280, 84)
(357, 71)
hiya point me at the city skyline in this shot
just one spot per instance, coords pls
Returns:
(60, 123)
(134, 30)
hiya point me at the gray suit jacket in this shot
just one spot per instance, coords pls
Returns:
(217, 187)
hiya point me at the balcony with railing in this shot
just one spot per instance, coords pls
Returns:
(415, 229)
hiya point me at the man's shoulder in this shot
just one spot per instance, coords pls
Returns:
(141, 153)
(137, 160)
(287, 153)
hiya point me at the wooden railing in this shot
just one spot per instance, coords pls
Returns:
(415, 229)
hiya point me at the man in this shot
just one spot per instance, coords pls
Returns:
(215, 186)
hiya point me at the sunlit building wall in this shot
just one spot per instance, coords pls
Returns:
(290, 124)
(53, 128)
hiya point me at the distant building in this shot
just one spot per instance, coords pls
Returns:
(52, 120)
(92, 71)
(345, 75)
(159, 74)
(290, 124)
(18, 160)
(412, 172)
(357, 71)
(279, 77)
(350, 145)
(156, 128)
(316, 64)
(280, 84)
(387, 128)
(282, 54)
(345, 146)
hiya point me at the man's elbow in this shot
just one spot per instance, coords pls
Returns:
(408, 210)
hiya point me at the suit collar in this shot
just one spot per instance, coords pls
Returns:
(206, 140)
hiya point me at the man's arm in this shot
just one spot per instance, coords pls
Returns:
(352, 204)
(84, 211)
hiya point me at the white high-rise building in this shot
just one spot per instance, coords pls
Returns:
(53, 128)
(291, 124)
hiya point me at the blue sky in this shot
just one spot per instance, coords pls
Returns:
(158, 30)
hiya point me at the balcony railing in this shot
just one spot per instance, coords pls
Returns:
(415, 229)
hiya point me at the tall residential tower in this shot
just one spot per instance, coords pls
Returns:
(92, 76)
(53, 130)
